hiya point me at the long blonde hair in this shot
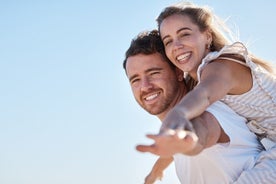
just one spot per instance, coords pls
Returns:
(205, 19)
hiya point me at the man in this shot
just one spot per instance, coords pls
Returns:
(212, 149)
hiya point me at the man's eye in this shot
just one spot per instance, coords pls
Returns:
(134, 81)
(155, 73)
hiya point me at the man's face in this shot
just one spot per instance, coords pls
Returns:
(153, 82)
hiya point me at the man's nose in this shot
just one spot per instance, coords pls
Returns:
(146, 84)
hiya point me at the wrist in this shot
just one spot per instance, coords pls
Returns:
(180, 111)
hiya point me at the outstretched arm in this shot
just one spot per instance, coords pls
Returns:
(207, 133)
(157, 171)
(218, 79)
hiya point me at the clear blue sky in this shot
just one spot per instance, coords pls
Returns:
(67, 114)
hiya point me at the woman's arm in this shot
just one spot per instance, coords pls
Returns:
(217, 79)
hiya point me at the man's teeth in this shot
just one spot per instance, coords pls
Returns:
(183, 56)
(151, 97)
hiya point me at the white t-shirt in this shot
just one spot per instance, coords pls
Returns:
(221, 163)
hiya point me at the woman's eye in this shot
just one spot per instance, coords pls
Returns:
(184, 34)
(167, 42)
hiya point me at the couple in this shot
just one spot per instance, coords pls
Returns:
(217, 147)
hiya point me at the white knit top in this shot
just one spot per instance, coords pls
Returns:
(257, 104)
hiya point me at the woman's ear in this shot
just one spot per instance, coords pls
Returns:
(209, 37)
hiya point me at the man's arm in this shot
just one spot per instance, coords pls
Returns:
(207, 133)
(157, 171)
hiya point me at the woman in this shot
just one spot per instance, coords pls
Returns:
(195, 42)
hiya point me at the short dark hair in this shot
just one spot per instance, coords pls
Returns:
(147, 42)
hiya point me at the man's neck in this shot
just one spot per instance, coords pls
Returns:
(180, 94)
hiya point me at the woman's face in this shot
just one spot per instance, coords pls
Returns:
(184, 43)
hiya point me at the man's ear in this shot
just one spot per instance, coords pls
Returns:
(179, 74)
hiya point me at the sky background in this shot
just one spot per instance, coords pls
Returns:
(67, 114)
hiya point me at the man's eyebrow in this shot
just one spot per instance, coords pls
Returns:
(181, 29)
(147, 71)
(132, 77)
(153, 69)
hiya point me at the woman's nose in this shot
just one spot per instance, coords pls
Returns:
(177, 44)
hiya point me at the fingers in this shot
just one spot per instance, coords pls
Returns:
(192, 135)
(152, 136)
(172, 134)
(148, 148)
(167, 132)
(181, 134)
(173, 141)
(144, 148)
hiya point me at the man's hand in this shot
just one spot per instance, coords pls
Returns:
(170, 143)
(153, 177)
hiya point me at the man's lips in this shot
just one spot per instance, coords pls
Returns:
(151, 97)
